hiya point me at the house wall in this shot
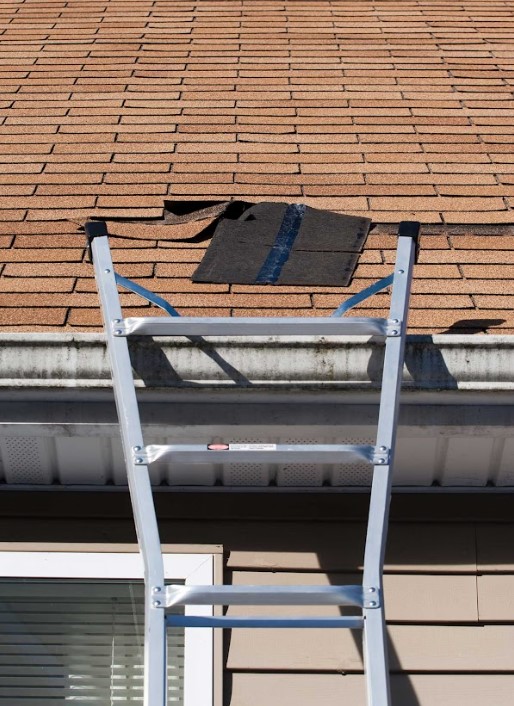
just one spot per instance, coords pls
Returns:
(449, 584)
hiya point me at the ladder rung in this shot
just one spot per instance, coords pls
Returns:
(265, 595)
(261, 453)
(222, 621)
(256, 326)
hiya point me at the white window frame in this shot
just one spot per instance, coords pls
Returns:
(193, 569)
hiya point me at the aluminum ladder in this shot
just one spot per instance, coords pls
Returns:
(368, 596)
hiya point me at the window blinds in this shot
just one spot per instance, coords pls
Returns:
(79, 641)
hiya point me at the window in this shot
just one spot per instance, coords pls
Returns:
(71, 629)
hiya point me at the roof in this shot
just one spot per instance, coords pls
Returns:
(391, 110)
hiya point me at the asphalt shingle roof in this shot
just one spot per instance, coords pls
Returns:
(393, 110)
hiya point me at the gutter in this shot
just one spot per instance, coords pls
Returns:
(433, 363)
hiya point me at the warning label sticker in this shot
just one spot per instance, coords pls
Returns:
(252, 447)
(241, 447)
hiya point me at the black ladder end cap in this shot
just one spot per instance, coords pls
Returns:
(95, 229)
(411, 229)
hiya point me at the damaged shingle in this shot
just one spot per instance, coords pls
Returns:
(277, 243)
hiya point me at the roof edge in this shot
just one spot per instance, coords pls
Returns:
(79, 360)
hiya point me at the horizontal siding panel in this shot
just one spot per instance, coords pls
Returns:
(330, 546)
(297, 545)
(424, 648)
(430, 547)
(494, 547)
(496, 597)
(348, 690)
(408, 597)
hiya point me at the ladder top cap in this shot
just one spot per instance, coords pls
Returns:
(95, 229)
(410, 229)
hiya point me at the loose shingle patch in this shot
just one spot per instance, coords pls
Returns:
(277, 243)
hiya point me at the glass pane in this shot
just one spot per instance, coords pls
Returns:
(79, 641)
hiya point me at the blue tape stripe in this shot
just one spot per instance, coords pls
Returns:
(289, 228)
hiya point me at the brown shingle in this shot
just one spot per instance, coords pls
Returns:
(35, 317)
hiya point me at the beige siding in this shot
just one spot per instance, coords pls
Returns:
(408, 597)
(420, 648)
(496, 597)
(449, 584)
(330, 546)
(495, 547)
(348, 690)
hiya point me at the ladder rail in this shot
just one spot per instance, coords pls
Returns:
(388, 410)
(375, 636)
(141, 496)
